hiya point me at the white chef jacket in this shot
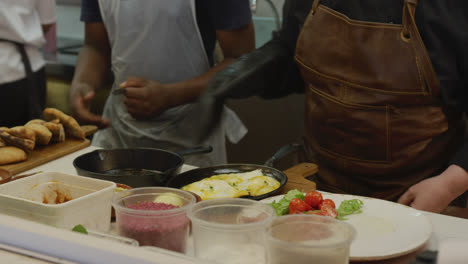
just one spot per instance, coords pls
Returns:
(20, 21)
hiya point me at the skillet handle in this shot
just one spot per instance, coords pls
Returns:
(283, 151)
(195, 150)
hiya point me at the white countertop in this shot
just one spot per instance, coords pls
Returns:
(444, 227)
(65, 165)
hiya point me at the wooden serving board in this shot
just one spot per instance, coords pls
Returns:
(296, 177)
(44, 154)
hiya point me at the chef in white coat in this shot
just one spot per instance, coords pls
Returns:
(22, 75)
(161, 56)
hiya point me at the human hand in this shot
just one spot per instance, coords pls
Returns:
(145, 98)
(80, 99)
(436, 193)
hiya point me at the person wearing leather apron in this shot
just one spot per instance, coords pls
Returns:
(157, 55)
(23, 85)
(385, 93)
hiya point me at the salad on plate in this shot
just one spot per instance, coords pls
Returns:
(296, 202)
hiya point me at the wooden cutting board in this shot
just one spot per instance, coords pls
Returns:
(296, 177)
(44, 154)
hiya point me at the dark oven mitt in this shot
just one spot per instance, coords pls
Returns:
(269, 71)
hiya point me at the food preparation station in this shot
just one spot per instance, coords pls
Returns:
(37, 242)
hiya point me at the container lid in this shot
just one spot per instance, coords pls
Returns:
(231, 214)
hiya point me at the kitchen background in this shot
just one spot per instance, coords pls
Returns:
(271, 123)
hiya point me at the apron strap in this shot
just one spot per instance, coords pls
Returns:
(409, 5)
(315, 6)
(34, 107)
(24, 56)
(410, 33)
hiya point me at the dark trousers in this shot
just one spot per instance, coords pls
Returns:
(20, 103)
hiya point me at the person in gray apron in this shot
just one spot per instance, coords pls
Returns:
(385, 84)
(158, 40)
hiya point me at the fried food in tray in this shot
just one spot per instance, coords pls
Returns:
(11, 154)
(71, 125)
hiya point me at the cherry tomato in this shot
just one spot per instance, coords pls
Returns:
(313, 198)
(297, 206)
(316, 213)
(328, 202)
(329, 211)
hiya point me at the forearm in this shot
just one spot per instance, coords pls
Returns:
(234, 44)
(265, 72)
(456, 179)
(92, 69)
(46, 27)
(189, 90)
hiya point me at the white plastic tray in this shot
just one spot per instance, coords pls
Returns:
(89, 205)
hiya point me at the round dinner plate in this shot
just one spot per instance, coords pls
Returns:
(384, 229)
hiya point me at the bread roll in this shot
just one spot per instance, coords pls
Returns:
(22, 132)
(35, 121)
(71, 126)
(22, 143)
(43, 135)
(55, 121)
(89, 129)
(58, 133)
(11, 155)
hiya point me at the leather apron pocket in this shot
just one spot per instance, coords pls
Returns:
(348, 130)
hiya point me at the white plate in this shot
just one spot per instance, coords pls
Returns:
(384, 229)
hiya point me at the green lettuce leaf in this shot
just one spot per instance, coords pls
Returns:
(282, 206)
(80, 229)
(348, 207)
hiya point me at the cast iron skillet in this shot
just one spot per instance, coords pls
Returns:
(137, 167)
(180, 180)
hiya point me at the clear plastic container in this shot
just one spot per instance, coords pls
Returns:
(230, 230)
(305, 239)
(60, 200)
(167, 229)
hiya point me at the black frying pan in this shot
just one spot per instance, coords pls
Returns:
(180, 180)
(137, 167)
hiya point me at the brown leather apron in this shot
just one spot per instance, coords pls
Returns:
(374, 121)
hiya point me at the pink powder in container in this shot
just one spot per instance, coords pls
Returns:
(151, 223)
